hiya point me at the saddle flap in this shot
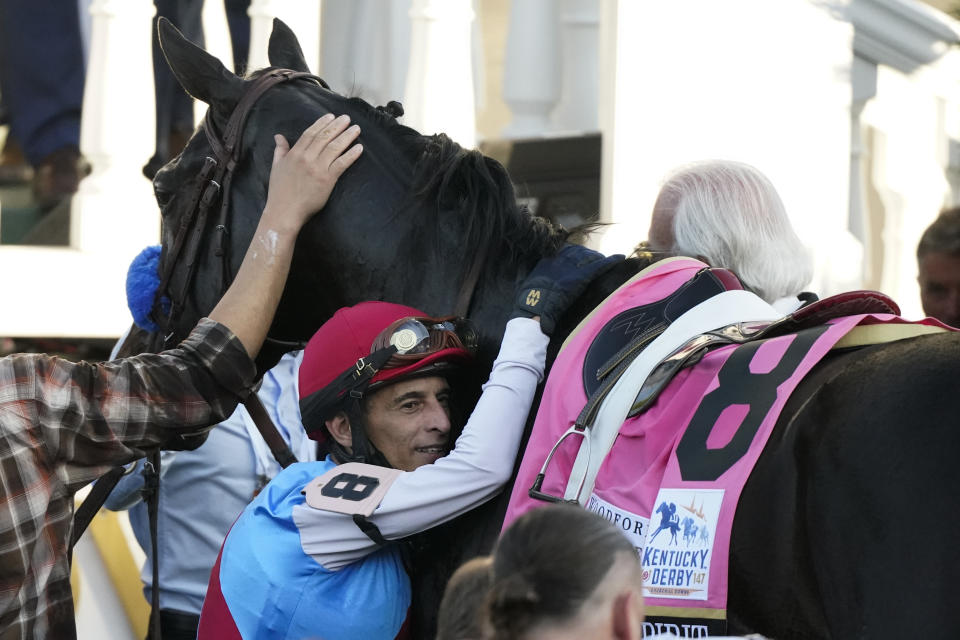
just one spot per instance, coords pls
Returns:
(632, 329)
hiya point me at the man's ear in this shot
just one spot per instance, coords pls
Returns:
(339, 428)
(628, 615)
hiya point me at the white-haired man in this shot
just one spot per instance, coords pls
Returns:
(729, 215)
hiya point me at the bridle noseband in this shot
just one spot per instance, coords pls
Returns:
(213, 182)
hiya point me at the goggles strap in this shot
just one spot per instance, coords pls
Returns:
(353, 382)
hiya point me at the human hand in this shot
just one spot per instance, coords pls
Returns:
(302, 177)
(557, 281)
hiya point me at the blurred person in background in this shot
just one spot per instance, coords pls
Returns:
(174, 124)
(41, 80)
(463, 613)
(201, 493)
(938, 264)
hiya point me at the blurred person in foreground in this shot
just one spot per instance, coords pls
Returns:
(462, 614)
(938, 265)
(64, 424)
(561, 572)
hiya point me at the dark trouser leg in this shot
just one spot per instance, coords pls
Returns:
(177, 625)
(239, 22)
(174, 106)
(41, 74)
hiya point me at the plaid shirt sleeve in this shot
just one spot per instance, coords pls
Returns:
(63, 424)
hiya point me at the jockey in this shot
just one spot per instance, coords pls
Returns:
(315, 554)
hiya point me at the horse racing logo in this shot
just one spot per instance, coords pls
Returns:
(677, 564)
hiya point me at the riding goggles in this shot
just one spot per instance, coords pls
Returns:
(416, 338)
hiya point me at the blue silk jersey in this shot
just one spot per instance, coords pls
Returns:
(269, 588)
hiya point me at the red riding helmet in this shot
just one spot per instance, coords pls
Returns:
(368, 345)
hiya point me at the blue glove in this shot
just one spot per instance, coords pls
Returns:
(557, 281)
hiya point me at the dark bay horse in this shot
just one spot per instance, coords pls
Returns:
(823, 544)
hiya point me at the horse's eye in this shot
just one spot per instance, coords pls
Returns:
(162, 194)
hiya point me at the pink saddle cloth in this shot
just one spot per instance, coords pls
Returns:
(673, 477)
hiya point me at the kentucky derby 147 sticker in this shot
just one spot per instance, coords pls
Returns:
(676, 558)
(630, 524)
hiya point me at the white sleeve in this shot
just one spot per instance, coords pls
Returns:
(476, 470)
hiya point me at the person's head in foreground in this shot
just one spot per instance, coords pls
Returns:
(563, 572)
(462, 615)
(374, 388)
(729, 215)
(938, 265)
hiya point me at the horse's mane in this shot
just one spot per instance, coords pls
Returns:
(475, 186)
(478, 188)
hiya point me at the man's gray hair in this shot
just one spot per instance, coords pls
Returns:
(729, 213)
(943, 235)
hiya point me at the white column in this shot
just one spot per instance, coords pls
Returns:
(439, 87)
(303, 16)
(907, 176)
(911, 121)
(337, 38)
(579, 38)
(863, 79)
(365, 48)
(216, 32)
(117, 131)
(398, 27)
(531, 77)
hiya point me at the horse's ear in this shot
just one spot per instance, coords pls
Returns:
(284, 49)
(199, 73)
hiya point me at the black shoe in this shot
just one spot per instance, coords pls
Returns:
(58, 176)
